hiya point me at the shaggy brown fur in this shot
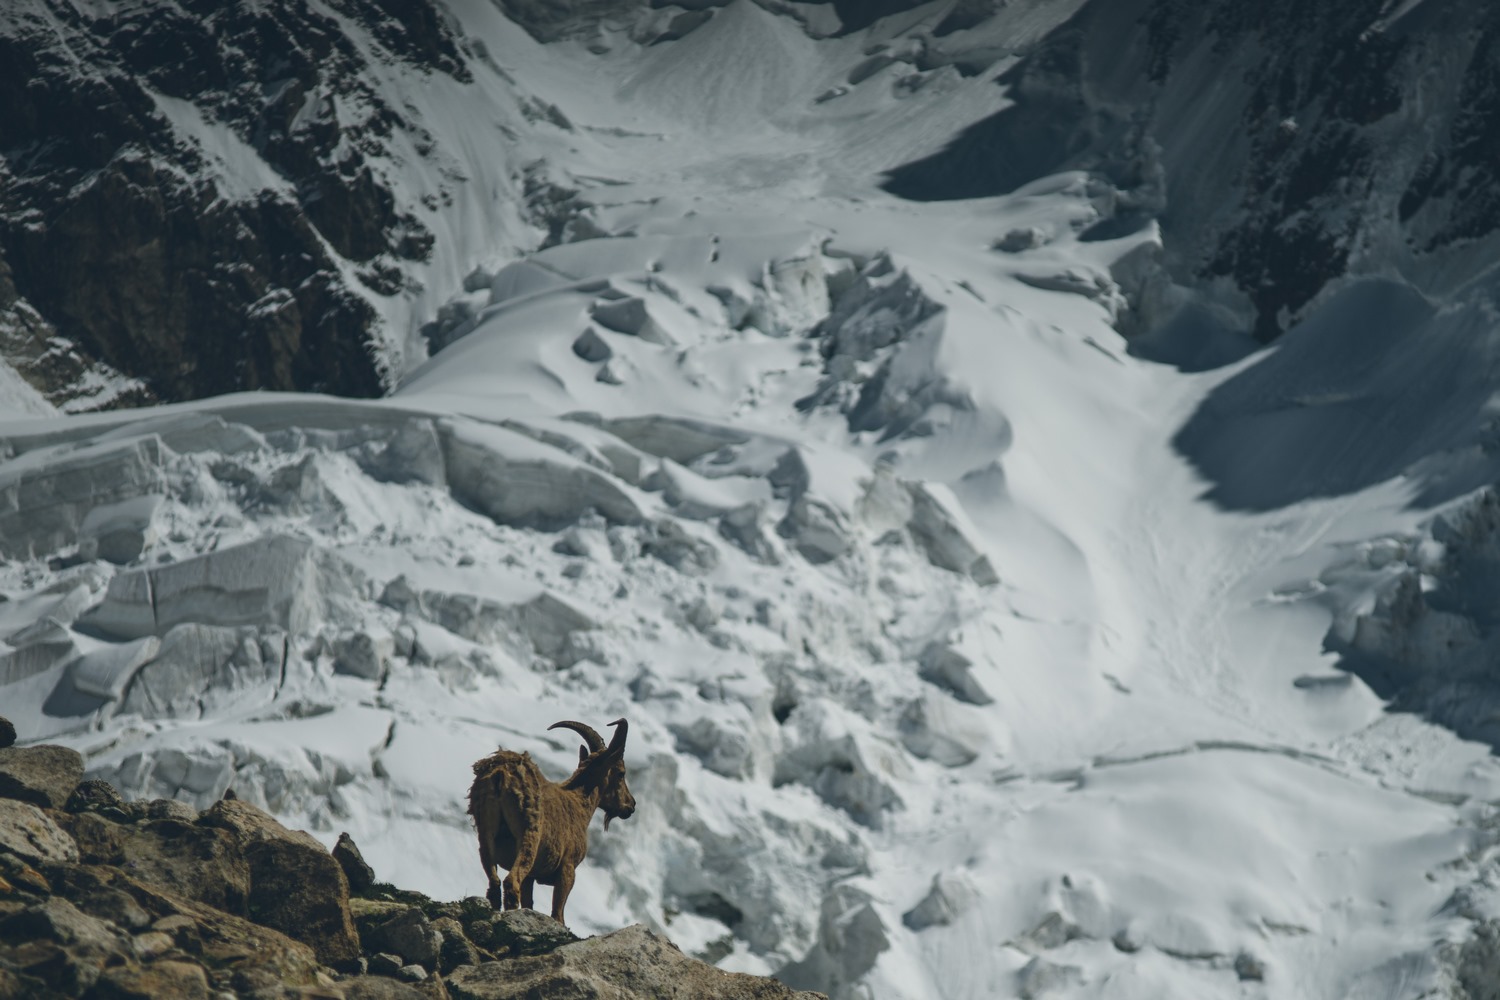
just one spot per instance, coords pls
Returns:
(537, 830)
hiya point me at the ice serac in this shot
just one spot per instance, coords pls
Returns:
(517, 480)
(276, 580)
(47, 497)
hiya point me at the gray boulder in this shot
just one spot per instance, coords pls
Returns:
(45, 775)
(30, 834)
(630, 964)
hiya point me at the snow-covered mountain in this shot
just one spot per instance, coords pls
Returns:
(863, 400)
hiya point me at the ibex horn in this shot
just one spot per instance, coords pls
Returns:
(593, 739)
(617, 742)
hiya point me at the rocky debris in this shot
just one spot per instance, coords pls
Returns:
(360, 875)
(7, 733)
(30, 834)
(95, 796)
(44, 775)
(516, 933)
(155, 900)
(628, 964)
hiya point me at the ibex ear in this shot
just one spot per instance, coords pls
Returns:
(583, 755)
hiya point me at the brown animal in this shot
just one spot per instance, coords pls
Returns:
(539, 830)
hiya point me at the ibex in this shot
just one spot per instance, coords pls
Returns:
(537, 830)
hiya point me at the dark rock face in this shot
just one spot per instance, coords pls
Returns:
(1280, 145)
(7, 733)
(115, 236)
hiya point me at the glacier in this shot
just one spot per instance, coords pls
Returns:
(968, 651)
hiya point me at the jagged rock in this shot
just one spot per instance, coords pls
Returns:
(360, 875)
(97, 796)
(385, 964)
(7, 733)
(45, 775)
(940, 526)
(74, 946)
(178, 980)
(411, 935)
(630, 964)
(295, 885)
(515, 479)
(457, 949)
(29, 833)
(514, 933)
(378, 988)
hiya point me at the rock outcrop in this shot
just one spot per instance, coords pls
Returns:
(105, 898)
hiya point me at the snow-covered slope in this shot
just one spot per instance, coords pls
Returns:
(966, 653)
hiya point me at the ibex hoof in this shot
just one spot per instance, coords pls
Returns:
(496, 896)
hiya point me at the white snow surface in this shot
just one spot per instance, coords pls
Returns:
(944, 679)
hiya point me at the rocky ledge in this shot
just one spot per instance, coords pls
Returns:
(105, 898)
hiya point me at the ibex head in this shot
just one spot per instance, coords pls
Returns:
(602, 767)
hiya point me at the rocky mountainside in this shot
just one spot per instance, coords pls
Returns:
(155, 900)
(194, 201)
